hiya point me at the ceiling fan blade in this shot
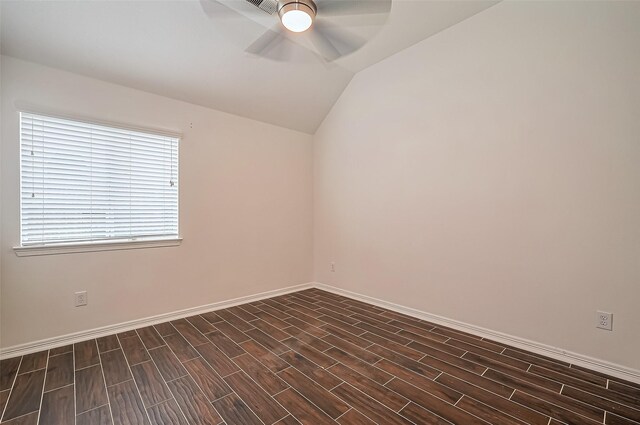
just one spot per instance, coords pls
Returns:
(332, 41)
(272, 44)
(325, 48)
(352, 7)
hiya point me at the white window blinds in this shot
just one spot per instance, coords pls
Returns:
(83, 182)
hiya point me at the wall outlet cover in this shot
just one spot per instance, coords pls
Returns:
(604, 320)
(81, 298)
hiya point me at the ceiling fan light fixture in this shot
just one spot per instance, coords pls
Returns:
(297, 15)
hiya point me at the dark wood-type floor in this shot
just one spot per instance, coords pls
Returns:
(311, 357)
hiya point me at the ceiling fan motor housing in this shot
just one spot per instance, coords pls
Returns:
(307, 6)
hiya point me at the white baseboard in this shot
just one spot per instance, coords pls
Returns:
(616, 370)
(59, 341)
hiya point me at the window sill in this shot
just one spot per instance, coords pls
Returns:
(72, 248)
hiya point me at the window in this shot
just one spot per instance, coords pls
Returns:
(85, 183)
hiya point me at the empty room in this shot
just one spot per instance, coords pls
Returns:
(279, 212)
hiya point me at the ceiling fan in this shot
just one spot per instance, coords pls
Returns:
(326, 25)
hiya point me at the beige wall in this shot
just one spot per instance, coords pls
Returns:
(491, 174)
(245, 213)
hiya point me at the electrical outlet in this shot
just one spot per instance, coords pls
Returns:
(605, 320)
(333, 266)
(81, 298)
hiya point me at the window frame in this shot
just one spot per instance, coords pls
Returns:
(103, 244)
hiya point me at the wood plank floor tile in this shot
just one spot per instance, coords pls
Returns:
(234, 320)
(209, 381)
(61, 350)
(630, 392)
(256, 398)
(150, 337)
(126, 405)
(309, 352)
(550, 409)
(242, 314)
(165, 329)
(427, 346)
(308, 357)
(368, 407)
(25, 395)
(346, 318)
(289, 420)
(373, 321)
(225, 344)
(260, 374)
(305, 327)
(90, 389)
(180, 347)
(448, 358)
(327, 402)
(435, 388)
(30, 419)
(433, 404)
(200, 324)
(314, 372)
(264, 356)
(497, 364)
(381, 394)
(107, 343)
(232, 332)
(151, 386)
(613, 419)
(86, 354)
(309, 339)
(211, 317)
(463, 337)
(191, 334)
(486, 412)
(504, 405)
(534, 379)
(363, 368)
(412, 365)
(168, 364)
(276, 311)
(272, 320)
(268, 342)
(354, 350)
(568, 403)
(134, 350)
(166, 413)
(301, 408)
(127, 334)
(394, 346)
(58, 407)
(347, 335)
(217, 359)
(35, 361)
(422, 416)
(99, 416)
(234, 411)
(8, 372)
(300, 307)
(603, 403)
(59, 371)
(580, 373)
(114, 367)
(272, 331)
(353, 417)
(4, 396)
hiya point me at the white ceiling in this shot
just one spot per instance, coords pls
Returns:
(195, 50)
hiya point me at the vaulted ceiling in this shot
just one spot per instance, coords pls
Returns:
(195, 50)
